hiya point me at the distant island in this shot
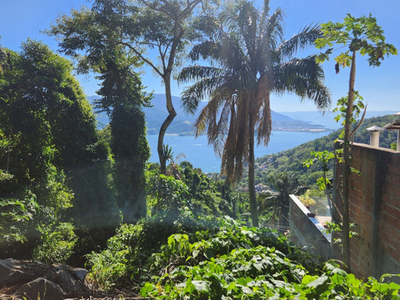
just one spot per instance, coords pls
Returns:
(183, 122)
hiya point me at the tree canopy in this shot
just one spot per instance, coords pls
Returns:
(49, 135)
(142, 27)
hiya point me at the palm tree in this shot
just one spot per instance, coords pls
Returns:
(285, 184)
(249, 59)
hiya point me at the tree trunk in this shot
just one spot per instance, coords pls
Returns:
(252, 191)
(284, 216)
(346, 164)
(166, 123)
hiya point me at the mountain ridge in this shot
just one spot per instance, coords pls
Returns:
(183, 122)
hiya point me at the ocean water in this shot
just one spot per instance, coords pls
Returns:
(201, 155)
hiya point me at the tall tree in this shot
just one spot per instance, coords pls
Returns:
(45, 113)
(285, 184)
(102, 32)
(253, 60)
(142, 26)
(358, 35)
(123, 99)
(49, 133)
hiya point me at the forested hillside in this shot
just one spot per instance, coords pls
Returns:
(292, 160)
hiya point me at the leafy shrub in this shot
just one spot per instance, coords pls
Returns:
(210, 268)
(219, 258)
(57, 244)
(16, 216)
(335, 283)
(116, 263)
(223, 262)
(125, 257)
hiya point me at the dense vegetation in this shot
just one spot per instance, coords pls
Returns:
(219, 258)
(49, 146)
(291, 161)
(71, 193)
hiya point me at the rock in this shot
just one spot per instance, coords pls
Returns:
(66, 281)
(32, 278)
(79, 274)
(11, 275)
(40, 288)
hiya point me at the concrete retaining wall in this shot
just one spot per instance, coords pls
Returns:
(307, 231)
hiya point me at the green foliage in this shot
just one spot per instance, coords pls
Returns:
(292, 160)
(208, 268)
(358, 34)
(168, 153)
(57, 243)
(193, 191)
(324, 158)
(49, 144)
(333, 227)
(306, 199)
(89, 33)
(341, 106)
(124, 258)
(111, 265)
(222, 259)
(16, 215)
(335, 283)
(277, 199)
(123, 98)
(186, 241)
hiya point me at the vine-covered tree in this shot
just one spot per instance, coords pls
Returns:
(123, 99)
(250, 60)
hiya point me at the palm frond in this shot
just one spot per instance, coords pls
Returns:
(204, 50)
(208, 79)
(196, 72)
(273, 29)
(305, 38)
(304, 78)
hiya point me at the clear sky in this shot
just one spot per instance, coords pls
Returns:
(380, 86)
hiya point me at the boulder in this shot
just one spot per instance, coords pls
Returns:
(66, 281)
(40, 288)
(79, 274)
(11, 273)
(35, 280)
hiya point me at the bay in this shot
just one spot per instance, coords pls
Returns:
(201, 155)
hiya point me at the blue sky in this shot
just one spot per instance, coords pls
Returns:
(380, 86)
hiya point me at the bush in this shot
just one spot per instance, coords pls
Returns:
(57, 244)
(237, 262)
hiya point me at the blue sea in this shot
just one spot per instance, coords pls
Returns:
(201, 155)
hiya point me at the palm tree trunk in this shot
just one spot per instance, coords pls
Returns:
(346, 164)
(166, 123)
(252, 190)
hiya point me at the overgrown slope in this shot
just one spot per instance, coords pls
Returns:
(292, 160)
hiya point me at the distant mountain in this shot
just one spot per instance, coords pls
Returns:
(327, 119)
(183, 122)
